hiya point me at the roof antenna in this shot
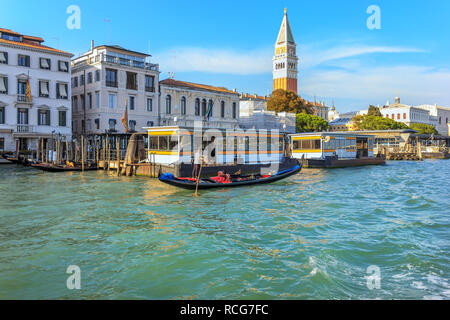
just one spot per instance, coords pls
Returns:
(172, 74)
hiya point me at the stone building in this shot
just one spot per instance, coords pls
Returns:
(105, 80)
(34, 92)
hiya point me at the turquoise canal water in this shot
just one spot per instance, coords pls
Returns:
(312, 236)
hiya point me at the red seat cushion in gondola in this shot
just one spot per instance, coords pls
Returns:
(188, 179)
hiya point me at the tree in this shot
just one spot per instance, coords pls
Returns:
(374, 111)
(423, 128)
(370, 122)
(287, 101)
(310, 123)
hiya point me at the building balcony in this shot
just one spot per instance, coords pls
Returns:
(22, 98)
(24, 128)
(111, 84)
(118, 61)
(150, 89)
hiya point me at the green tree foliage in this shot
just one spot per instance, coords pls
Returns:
(287, 101)
(310, 123)
(374, 111)
(370, 122)
(423, 128)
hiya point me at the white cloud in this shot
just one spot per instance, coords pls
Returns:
(216, 61)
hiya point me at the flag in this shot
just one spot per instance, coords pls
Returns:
(209, 113)
(125, 117)
(28, 91)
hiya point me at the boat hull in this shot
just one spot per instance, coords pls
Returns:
(54, 168)
(209, 184)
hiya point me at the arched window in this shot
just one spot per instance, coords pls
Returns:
(209, 113)
(404, 116)
(204, 107)
(222, 109)
(197, 107)
(234, 110)
(168, 104)
(183, 105)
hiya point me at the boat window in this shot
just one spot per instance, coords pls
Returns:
(296, 147)
(269, 143)
(163, 142)
(316, 144)
(280, 146)
(153, 144)
(173, 143)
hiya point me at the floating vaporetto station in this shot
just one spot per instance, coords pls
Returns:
(333, 150)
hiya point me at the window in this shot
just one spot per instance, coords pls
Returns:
(210, 108)
(112, 124)
(111, 78)
(234, 110)
(97, 123)
(89, 77)
(197, 107)
(4, 85)
(75, 104)
(183, 105)
(61, 91)
(63, 66)
(131, 81)
(404, 116)
(203, 107)
(149, 123)
(440, 120)
(2, 144)
(168, 104)
(45, 63)
(149, 83)
(131, 103)
(97, 99)
(43, 89)
(82, 101)
(398, 116)
(2, 115)
(62, 116)
(4, 57)
(75, 82)
(23, 61)
(89, 125)
(149, 105)
(112, 101)
(132, 125)
(43, 117)
(89, 100)
(97, 75)
(82, 80)
(22, 116)
(222, 109)
(22, 87)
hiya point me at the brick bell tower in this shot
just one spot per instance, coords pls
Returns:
(285, 61)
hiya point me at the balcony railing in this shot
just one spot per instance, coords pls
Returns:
(111, 84)
(150, 89)
(22, 98)
(24, 128)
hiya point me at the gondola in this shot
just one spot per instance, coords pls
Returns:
(59, 168)
(234, 181)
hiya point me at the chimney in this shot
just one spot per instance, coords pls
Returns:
(92, 45)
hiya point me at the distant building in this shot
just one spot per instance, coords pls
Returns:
(332, 114)
(46, 111)
(343, 123)
(440, 116)
(182, 103)
(104, 80)
(407, 114)
(285, 61)
(254, 115)
(319, 109)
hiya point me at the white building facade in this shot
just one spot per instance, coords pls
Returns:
(185, 103)
(254, 115)
(441, 117)
(27, 66)
(106, 81)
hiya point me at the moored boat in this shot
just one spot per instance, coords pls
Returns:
(62, 168)
(227, 181)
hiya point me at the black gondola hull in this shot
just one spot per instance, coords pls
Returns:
(207, 184)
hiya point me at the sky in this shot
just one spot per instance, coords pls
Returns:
(231, 43)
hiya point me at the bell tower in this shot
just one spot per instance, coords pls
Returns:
(285, 61)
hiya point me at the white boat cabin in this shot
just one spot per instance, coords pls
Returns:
(343, 145)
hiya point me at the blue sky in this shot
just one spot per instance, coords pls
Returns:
(230, 43)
